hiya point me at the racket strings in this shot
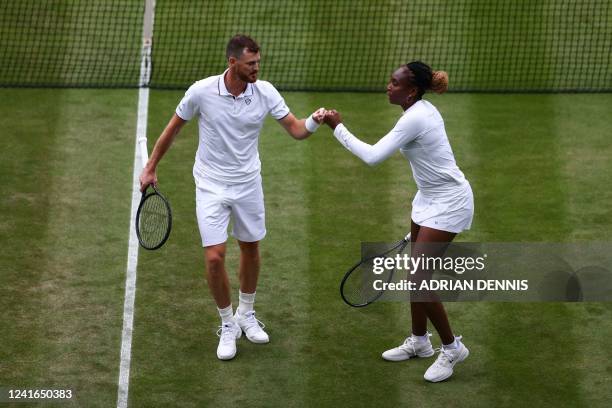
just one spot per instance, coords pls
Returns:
(154, 220)
(361, 286)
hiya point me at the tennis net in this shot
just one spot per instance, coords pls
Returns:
(344, 45)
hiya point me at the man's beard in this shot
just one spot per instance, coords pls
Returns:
(246, 78)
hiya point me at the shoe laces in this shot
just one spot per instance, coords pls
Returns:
(251, 321)
(446, 356)
(408, 345)
(226, 332)
(410, 342)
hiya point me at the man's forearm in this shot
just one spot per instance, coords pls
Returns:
(305, 127)
(164, 142)
(301, 128)
(300, 132)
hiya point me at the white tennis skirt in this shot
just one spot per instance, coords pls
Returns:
(452, 212)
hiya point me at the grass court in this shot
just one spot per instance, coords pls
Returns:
(539, 167)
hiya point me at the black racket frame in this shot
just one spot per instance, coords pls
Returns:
(146, 196)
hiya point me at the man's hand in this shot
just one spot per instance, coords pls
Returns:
(147, 177)
(332, 118)
(319, 115)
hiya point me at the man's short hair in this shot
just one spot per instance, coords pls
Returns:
(238, 43)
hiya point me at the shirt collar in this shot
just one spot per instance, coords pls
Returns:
(224, 92)
(414, 104)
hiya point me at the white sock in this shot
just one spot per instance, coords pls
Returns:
(246, 302)
(451, 346)
(227, 314)
(421, 339)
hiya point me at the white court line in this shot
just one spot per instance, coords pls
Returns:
(140, 158)
(132, 261)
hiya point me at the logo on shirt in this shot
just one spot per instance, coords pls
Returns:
(247, 101)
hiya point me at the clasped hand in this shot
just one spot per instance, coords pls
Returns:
(330, 117)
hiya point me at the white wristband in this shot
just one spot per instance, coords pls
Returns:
(311, 125)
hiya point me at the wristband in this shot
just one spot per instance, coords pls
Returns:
(311, 125)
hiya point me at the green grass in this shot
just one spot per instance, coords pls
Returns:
(538, 165)
(65, 176)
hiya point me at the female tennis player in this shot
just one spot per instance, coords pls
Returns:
(442, 207)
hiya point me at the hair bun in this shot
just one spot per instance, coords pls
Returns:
(439, 82)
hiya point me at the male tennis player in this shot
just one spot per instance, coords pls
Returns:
(231, 108)
(442, 207)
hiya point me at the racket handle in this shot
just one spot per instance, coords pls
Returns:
(144, 153)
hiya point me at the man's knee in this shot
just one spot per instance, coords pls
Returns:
(215, 259)
(249, 251)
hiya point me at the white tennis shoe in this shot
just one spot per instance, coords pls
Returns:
(410, 348)
(442, 368)
(228, 334)
(252, 327)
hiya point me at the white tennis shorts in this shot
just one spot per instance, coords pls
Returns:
(452, 212)
(217, 202)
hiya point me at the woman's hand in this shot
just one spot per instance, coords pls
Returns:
(332, 118)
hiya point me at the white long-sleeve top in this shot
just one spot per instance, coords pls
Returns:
(420, 136)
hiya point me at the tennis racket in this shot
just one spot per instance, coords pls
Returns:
(357, 286)
(154, 216)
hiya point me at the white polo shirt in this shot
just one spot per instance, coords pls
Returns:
(229, 127)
